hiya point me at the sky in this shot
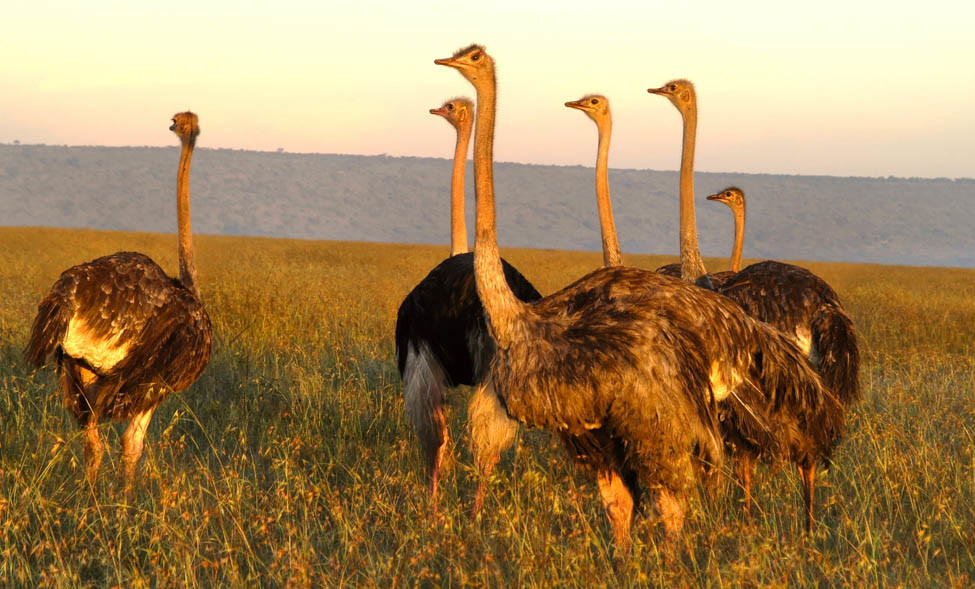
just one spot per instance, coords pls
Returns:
(842, 88)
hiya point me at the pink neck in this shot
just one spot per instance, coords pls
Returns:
(607, 226)
(458, 225)
(187, 268)
(502, 308)
(739, 213)
(691, 264)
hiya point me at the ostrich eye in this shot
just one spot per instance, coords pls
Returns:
(727, 194)
(673, 87)
(476, 57)
(450, 107)
(595, 101)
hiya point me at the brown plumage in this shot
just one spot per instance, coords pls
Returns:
(798, 302)
(441, 336)
(624, 364)
(124, 334)
(801, 304)
(491, 428)
(717, 278)
(492, 431)
(756, 425)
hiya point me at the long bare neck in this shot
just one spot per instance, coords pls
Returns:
(187, 268)
(739, 213)
(691, 264)
(458, 225)
(501, 306)
(607, 226)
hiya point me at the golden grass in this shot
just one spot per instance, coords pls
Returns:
(291, 463)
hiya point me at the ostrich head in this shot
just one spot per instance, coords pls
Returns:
(679, 92)
(596, 107)
(186, 126)
(731, 196)
(473, 62)
(457, 111)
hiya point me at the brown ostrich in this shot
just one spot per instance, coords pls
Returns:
(793, 300)
(798, 302)
(596, 108)
(691, 265)
(124, 334)
(624, 364)
(735, 199)
(441, 338)
(491, 429)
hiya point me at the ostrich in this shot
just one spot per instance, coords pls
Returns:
(459, 112)
(798, 302)
(828, 338)
(124, 334)
(691, 264)
(735, 199)
(624, 364)
(596, 108)
(441, 338)
(794, 301)
(491, 428)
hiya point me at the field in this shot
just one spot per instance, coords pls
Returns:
(290, 462)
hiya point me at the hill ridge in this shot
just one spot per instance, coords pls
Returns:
(912, 221)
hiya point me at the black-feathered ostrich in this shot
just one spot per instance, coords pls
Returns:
(798, 303)
(624, 364)
(441, 337)
(124, 334)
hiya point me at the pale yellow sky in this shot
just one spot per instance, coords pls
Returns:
(833, 87)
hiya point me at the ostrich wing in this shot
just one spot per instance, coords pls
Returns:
(122, 316)
(444, 311)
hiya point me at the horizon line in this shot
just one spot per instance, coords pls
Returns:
(282, 151)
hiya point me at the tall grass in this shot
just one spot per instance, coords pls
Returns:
(290, 461)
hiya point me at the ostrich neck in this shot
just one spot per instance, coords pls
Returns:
(187, 269)
(607, 226)
(739, 213)
(458, 225)
(500, 304)
(691, 265)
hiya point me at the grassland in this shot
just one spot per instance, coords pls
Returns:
(290, 462)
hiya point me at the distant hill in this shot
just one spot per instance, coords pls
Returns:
(404, 199)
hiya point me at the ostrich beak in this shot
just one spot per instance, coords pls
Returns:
(661, 90)
(715, 197)
(447, 61)
(438, 111)
(574, 104)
